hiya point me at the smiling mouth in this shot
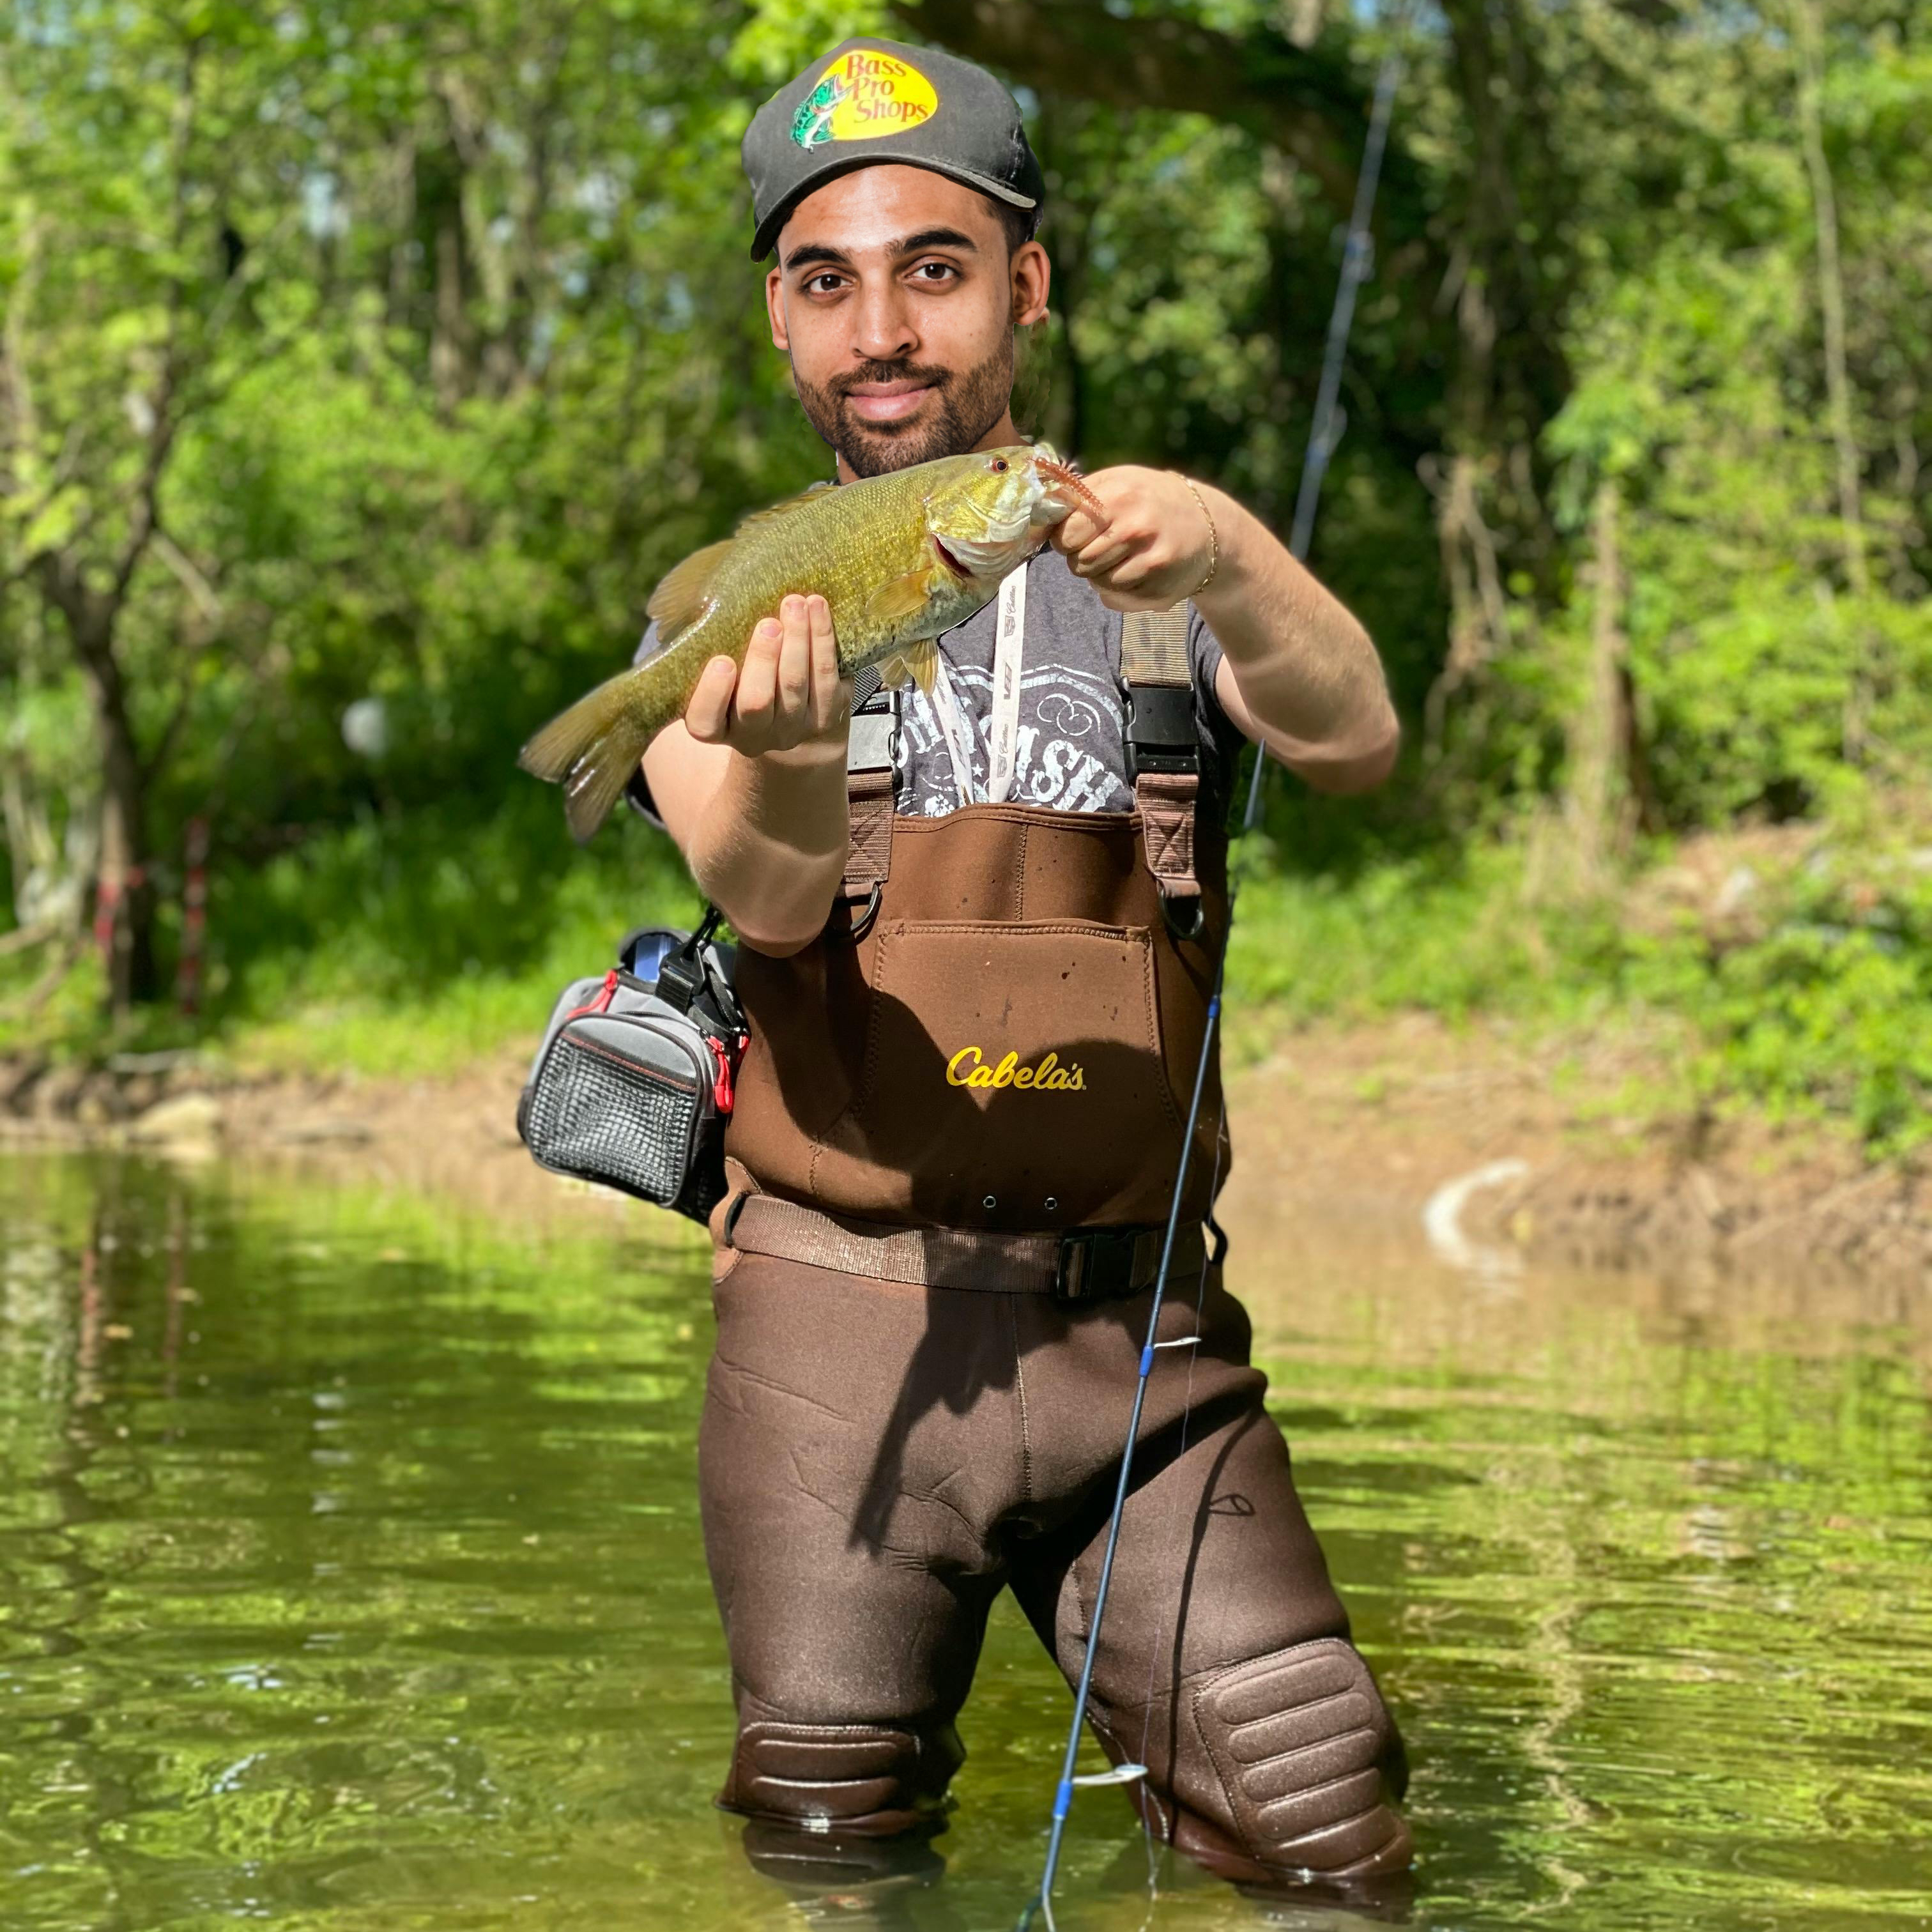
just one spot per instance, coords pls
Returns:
(881, 410)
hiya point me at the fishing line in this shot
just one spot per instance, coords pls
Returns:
(1356, 255)
(1192, 1344)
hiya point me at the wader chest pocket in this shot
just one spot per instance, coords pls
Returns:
(1014, 1079)
(626, 1091)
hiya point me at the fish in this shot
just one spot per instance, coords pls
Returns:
(899, 558)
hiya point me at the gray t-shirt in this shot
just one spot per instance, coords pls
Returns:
(1071, 754)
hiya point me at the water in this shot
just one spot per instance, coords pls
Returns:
(350, 1579)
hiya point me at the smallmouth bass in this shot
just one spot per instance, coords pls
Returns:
(898, 559)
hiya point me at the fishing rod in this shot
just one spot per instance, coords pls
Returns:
(1357, 256)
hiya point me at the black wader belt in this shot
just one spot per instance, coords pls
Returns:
(1088, 1265)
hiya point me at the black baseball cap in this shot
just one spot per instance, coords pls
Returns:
(876, 100)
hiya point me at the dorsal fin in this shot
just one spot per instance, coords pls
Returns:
(811, 494)
(679, 600)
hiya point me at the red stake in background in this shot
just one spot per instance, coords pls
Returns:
(194, 917)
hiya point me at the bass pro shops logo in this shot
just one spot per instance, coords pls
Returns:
(969, 1068)
(861, 96)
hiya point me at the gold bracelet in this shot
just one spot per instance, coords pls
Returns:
(1213, 539)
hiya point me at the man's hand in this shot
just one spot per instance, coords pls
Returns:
(1298, 672)
(1156, 550)
(751, 782)
(787, 692)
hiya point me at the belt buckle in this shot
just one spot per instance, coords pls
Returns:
(1095, 1264)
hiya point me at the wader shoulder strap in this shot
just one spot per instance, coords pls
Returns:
(871, 786)
(1163, 746)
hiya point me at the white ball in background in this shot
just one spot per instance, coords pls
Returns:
(365, 728)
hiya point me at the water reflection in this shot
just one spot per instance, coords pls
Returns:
(350, 1578)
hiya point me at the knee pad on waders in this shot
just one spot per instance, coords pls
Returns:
(1308, 1763)
(868, 1780)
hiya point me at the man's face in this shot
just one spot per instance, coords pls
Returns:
(896, 301)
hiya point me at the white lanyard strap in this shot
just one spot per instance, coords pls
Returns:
(954, 728)
(1004, 726)
(1004, 733)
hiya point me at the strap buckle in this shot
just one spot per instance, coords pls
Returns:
(1162, 734)
(1096, 1265)
(872, 739)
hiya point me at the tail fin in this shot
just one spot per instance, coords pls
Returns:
(592, 749)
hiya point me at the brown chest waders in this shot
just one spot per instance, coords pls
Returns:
(953, 1157)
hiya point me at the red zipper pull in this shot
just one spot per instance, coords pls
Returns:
(602, 1002)
(721, 1088)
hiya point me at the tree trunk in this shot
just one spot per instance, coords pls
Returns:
(1831, 293)
(1601, 794)
(1809, 39)
(124, 893)
(124, 896)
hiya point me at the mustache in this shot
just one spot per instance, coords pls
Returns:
(842, 386)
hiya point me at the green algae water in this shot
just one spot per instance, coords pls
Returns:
(350, 1579)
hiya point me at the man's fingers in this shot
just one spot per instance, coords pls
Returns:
(794, 666)
(1131, 573)
(828, 700)
(1073, 532)
(707, 716)
(1103, 553)
(757, 679)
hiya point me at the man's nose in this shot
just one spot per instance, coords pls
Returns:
(882, 324)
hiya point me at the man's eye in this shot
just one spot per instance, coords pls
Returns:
(822, 284)
(935, 272)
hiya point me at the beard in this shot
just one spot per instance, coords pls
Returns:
(968, 406)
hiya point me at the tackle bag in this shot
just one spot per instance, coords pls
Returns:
(631, 1086)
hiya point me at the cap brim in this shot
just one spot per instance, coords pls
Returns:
(766, 238)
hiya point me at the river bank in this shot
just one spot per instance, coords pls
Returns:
(1506, 1147)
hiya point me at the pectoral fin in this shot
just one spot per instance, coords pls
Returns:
(918, 662)
(903, 597)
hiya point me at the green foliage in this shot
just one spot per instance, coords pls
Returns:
(392, 354)
(1801, 979)
(411, 943)
(1817, 1010)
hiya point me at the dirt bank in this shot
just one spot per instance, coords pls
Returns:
(1547, 1150)
(1508, 1149)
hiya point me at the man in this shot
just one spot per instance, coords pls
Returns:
(977, 985)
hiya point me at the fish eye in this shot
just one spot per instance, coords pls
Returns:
(999, 463)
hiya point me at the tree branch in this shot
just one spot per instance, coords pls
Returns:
(144, 517)
(1306, 101)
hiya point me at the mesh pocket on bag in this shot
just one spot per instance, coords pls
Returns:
(593, 1114)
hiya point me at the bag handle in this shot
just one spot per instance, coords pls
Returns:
(681, 973)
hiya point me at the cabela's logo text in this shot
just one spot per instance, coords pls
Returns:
(968, 1067)
(859, 97)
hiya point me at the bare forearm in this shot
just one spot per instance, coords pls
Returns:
(1297, 673)
(1306, 672)
(769, 850)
